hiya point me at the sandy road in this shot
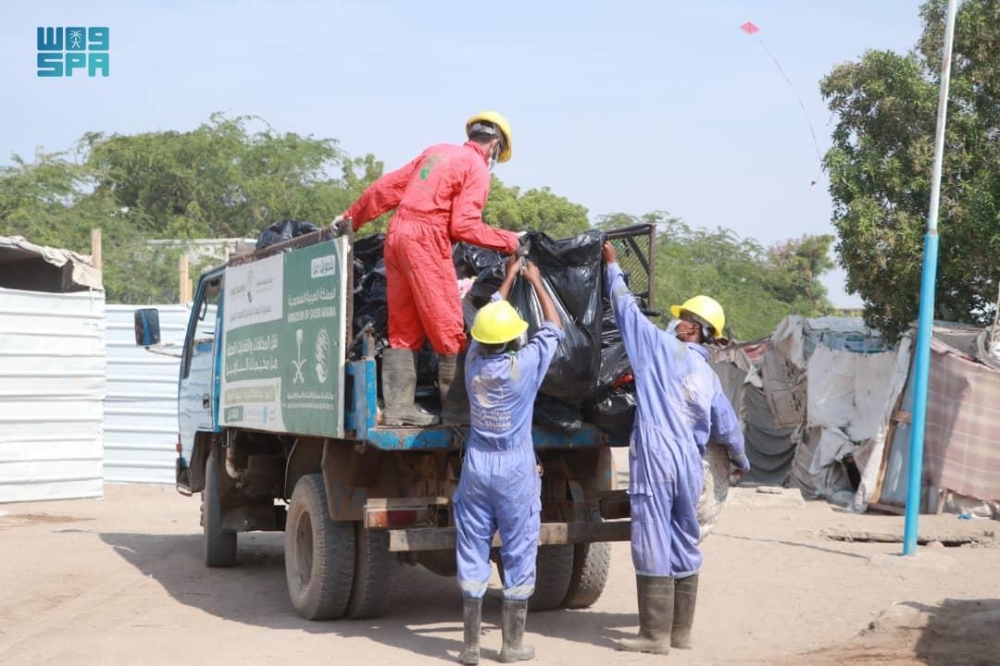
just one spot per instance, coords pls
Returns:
(120, 581)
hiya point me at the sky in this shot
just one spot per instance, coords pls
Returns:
(621, 106)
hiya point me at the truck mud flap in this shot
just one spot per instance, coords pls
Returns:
(443, 538)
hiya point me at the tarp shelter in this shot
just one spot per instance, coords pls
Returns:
(52, 373)
(962, 429)
(825, 405)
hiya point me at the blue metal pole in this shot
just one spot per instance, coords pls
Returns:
(925, 321)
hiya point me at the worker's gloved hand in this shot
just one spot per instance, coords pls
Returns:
(342, 225)
(525, 244)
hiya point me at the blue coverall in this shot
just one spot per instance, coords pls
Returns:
(680, 407)
(500, 487)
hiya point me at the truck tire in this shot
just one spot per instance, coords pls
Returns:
(553, 570)
(591, 564)
(219, 547)
(319, 554)
(554, 567)
(374, 574)
(716, 489)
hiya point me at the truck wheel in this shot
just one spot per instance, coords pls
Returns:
(713, 495)
(554, 567)
(374, 574)
(591, 564)
(553, 570)
(319, 554)
(219, 547)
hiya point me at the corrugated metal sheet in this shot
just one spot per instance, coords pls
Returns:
(140, 411)
(52, 370)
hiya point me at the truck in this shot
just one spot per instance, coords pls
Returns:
(278, 430)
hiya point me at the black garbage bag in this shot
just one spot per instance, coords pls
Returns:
(572, 273)
(615, 413)
(427, 372)
(471, 261)
(282, 231)
(370, 301)
(588, 361)
(556, 415)
(371, 307)
(615, 364)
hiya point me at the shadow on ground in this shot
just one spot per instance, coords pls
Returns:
(425, 610)
(958, 632)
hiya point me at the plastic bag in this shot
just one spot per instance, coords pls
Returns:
(471, 261)
(571, 274)
(615, 413)
(588, 361)
(370, 300)
(280, 232)
(556, 415)
(614, 365)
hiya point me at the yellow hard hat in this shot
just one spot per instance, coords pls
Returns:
(497, 323)
(501, 124)
(704, 307)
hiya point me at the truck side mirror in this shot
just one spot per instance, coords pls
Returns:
(147, 327)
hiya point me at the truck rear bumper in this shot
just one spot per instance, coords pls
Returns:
(443, 538)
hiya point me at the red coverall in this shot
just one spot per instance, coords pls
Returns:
(439, 200)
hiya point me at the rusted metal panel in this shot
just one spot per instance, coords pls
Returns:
(443, 538)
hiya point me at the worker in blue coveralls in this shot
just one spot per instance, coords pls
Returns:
(500, 484)
(680, 407)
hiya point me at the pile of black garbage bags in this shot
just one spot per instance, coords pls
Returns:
(589, 379)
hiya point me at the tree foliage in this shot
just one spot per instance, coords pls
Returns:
(231, 177)
(880, 170)
(756, 286)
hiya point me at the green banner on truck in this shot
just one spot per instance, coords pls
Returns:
(283, 335)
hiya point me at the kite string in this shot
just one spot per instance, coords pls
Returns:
(798, 97)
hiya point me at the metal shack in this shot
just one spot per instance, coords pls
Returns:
(52, 373)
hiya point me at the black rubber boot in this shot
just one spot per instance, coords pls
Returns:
(656, 615)
(451, 381)
(514, 615)
(399, 381)
(685, 596)
(472, 616)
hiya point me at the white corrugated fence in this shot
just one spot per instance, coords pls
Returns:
(140, 410)
(52, 382)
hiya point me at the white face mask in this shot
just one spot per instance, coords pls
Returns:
(672, 327)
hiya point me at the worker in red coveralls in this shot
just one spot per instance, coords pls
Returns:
(438, 199)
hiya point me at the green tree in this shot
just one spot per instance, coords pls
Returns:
(880, 169)
(757, 286)
(535, 210)
(223, 179)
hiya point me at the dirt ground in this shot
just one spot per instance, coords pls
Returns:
(120, 581)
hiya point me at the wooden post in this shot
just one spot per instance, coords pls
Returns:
(95, 249)
(184, 283)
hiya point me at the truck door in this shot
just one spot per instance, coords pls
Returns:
(197, 390)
